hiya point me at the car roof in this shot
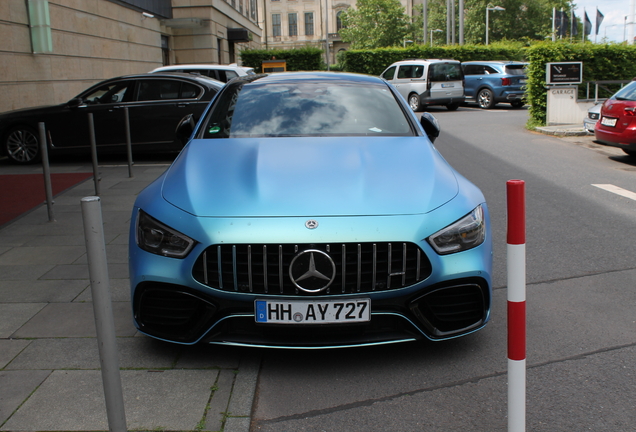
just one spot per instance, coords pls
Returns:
(200, 66)
(425, 60)
(286, 77)
(210, 82)
(499, 62)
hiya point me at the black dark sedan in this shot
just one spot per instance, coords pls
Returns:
(156, 104)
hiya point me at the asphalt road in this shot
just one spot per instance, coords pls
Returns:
(581, 300)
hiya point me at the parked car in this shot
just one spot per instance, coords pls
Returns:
(617, 126)
(593, 114)
(156, 104)
(326, 220)
(428, 82)
(222, 73)
(491, 82)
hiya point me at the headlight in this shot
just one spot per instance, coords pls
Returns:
(156, 238)
(466, 233)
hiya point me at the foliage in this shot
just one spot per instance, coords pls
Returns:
(600, 63)
(375, 24)
(522, 20)
(307, 58)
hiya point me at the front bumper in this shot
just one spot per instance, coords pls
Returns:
(172, 302)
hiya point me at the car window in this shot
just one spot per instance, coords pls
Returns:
(110, 93)
(445, 72)
(189, 91)
(150, 90)
(473, 70)
(389, 73)
(627, 93)
(491, 70)
(405, 71)
(306, 109)
(515, 69)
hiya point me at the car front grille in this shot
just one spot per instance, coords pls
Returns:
(352, 267)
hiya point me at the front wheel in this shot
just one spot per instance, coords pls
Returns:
(452, 106)
(517, 103)
(22, 145)
(486, 99)
(414, 102)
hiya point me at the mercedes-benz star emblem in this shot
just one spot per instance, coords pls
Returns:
(311, 224)
(312, 270)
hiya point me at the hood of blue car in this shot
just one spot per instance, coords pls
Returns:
(342, 176)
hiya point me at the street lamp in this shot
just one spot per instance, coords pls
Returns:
(436, 31)
(496, 8)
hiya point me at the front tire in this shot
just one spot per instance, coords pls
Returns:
(22, 145)
(517, 103)
(414, 102)
(486, 99)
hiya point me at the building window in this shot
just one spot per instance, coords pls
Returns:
(293, 24)
(40, 26)
(275, 24)
(253, 10)
(309, 23)
(339, 21)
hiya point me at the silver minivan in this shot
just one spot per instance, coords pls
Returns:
(428, 82)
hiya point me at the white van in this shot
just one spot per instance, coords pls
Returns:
(428, 82)
(222, 73)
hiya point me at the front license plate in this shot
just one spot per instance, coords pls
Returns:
(313, 311)
(606, 121)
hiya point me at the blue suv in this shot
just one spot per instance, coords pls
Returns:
(490, 82)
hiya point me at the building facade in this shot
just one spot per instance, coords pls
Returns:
(297, 23)
(51, 50)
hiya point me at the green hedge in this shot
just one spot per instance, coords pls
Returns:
(298, 59)
(600, 63)
(373, 62)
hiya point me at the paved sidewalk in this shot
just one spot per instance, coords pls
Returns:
(50, 376)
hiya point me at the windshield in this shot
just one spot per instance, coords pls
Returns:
(302, 108)
(627, 93)
(515, 69)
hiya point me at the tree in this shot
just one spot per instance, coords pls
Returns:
(375, 24)
(522, 20)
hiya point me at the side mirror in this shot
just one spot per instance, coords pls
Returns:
(430, 125)
(75, 102)
(185, 128)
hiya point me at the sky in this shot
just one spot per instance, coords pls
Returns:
(613, 24)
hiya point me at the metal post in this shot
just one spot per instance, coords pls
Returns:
(103, 310)
(128, 142)
(487, 9)
(461, 22)
(327, 33)
(91, 130)
(425, 18)
(44, 151)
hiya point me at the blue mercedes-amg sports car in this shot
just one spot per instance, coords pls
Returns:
(310, 210)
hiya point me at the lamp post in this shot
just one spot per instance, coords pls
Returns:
(436, 31)
(495, 8)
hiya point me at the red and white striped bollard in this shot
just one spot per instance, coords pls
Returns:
(516, 257)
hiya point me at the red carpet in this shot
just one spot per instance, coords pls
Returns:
(22, 192)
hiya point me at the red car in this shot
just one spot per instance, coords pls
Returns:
(617, 126)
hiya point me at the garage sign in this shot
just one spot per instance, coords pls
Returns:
(564, 73)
